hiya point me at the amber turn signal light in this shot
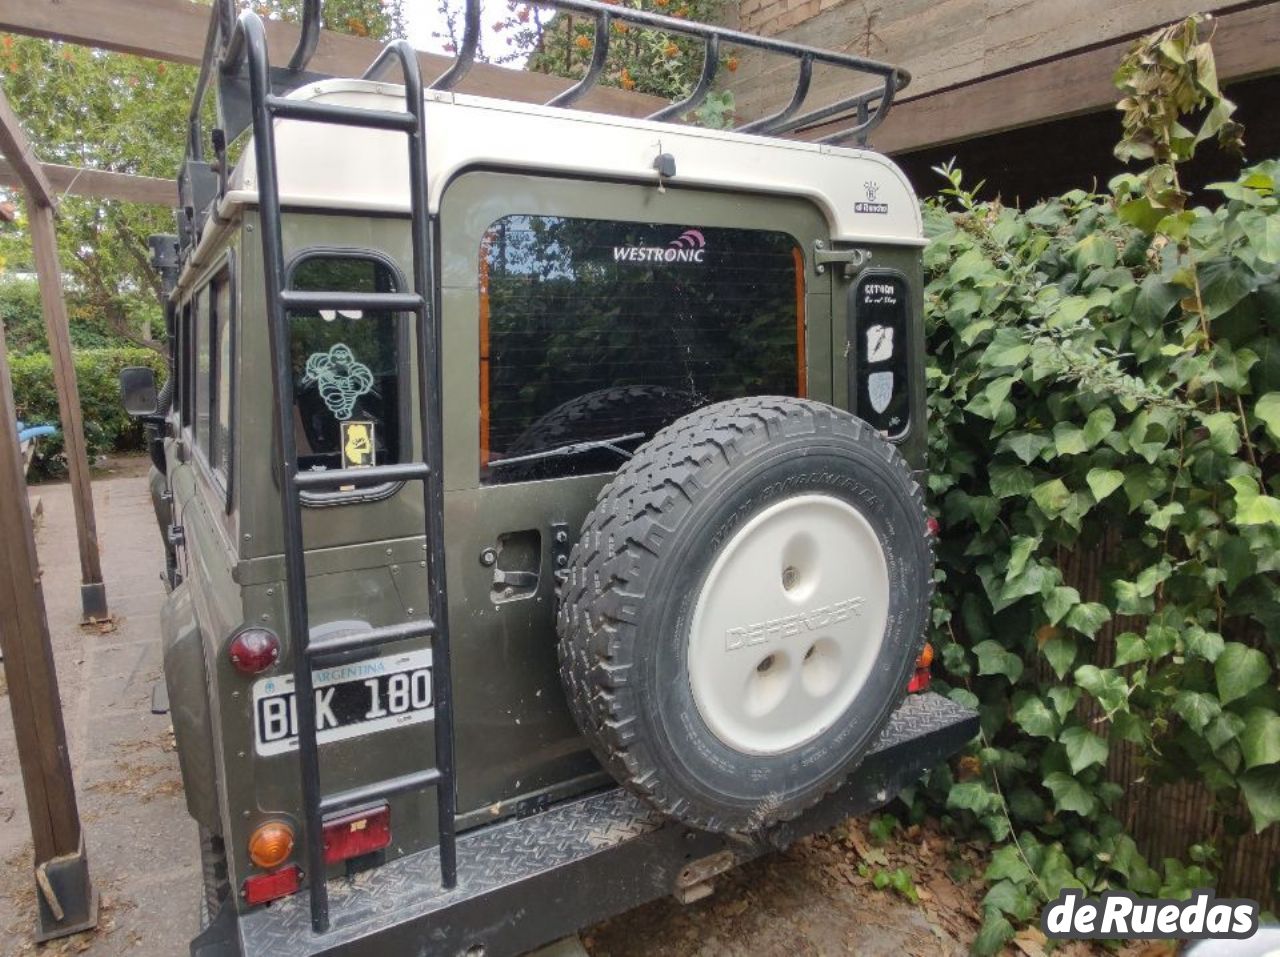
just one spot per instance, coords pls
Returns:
(271, 844)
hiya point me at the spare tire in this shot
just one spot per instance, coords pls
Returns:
(743, 610)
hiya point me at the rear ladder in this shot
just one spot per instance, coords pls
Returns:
(246, 50)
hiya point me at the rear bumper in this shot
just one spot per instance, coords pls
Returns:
(525, 882)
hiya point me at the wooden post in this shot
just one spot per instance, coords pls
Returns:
(41, 201)
(67, 900)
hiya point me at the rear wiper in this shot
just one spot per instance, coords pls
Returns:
(575, 448)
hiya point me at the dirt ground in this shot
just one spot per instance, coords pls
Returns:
(818, 898)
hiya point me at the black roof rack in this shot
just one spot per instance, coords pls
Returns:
(855, 115)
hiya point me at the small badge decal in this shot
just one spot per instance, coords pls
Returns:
(880, 390)
(879, 343)
(358, 448)
(872, 190)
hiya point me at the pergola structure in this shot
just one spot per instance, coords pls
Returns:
(67, 901)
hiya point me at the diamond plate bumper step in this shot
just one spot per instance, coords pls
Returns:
(525, 882)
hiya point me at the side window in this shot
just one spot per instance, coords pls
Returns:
(348, 367)
(221, 327)
(182, 392)
(201, 378)
(598, 333)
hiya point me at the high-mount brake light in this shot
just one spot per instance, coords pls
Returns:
(253, 650)
(270, 845)
(357, 833)
(264, 888)
(922, 676)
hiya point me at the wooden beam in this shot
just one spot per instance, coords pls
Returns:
(175, 30)
(1246, 44)
(17, 148)
(44, 245)
(41, 202)
(32, 680)
(99, 184)
(104, 184)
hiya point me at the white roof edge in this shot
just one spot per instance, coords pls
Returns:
(864, 195)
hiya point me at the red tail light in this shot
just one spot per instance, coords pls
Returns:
(356, 834)
(263, 888)
(253, 650)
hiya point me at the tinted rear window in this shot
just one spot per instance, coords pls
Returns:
(597, 330)
(346, 365)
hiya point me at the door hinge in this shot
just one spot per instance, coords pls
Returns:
(851, 259)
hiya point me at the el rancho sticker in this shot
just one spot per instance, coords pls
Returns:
(358, 447)
(872, 190)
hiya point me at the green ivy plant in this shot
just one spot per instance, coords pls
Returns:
(1105, 380)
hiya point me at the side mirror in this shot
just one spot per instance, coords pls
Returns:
(138, 391)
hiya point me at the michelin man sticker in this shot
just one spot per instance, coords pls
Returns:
(342, 379)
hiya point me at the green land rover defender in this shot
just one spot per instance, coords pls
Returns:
(540, 490)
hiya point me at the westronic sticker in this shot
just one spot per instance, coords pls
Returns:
(1120, 915)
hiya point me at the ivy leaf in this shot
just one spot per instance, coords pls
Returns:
(1088, 617)
(1162, 517)
(1010, 480)
(1096, 249)
(1143, 483)
(1060, 601)
(1102, 482)
(1099, 424)
(972, 796)
(1035, 718)
(1069, 439)
(1008, 897)
(1064, 699)
(1130, 648)
(1052, 496)
(1108, 686)
(1238, 670)
(996, 931)
(1084, 748)
(1022, 547)
(1261, 789)
(994, 659)
(1260, 737)
(1026, 445)
(1225, 727)
(1007, 864)
(1196, 708)
(1267, 409)
(1070, 795)
(1060, 653)
(1253, 508)
(1204, 644)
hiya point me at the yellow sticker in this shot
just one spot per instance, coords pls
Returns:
(358, 449)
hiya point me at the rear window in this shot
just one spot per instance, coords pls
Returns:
(598, 333)
(346, 368)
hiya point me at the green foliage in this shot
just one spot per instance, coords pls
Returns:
(1105, 380)
(106, 426)
(647, 61)
(23, 318)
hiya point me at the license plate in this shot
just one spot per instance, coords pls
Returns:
(351, 700)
